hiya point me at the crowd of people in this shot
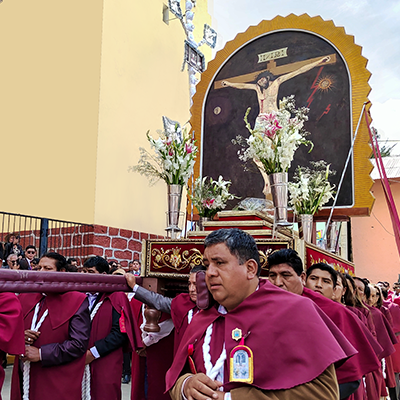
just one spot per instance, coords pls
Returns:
(296, 334)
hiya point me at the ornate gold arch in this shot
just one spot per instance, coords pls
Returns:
(359, 76)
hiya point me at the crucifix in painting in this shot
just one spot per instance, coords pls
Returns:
(258, 76)
(267, 89)
(267, 84)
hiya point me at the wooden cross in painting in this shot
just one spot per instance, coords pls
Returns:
(267, 86)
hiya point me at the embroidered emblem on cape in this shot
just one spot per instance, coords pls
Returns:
(241, 364)
(237, 334)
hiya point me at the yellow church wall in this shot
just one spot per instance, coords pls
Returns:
(141, 81)
(49, 78)
(80, 84)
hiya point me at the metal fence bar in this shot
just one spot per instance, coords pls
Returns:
(45, 234)
(44, 227)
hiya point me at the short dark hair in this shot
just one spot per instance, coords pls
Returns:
(72, 268)
(137, 260)
(112, 270)
(286, 256)
(30, 246)
(240, 244)
(197, 268)
(99, 263)
(23, 264)
(61, 262)
(70, 260)
(324, 267)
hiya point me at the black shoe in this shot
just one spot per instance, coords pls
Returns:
(126, 379)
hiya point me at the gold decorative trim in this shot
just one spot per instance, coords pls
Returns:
(255, 222)
(175, 260)
(328, 254)
(359, 76)
(173, 256)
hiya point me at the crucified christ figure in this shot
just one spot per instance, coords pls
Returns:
(267, 89)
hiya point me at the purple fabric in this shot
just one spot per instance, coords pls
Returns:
(384, 333)
(395, 313)
(356, 333)
(64, 379)
(180, 307)
(21, 281)
(278, 322)
(11, 324)
(75, 346)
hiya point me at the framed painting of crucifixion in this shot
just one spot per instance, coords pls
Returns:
(323, 68)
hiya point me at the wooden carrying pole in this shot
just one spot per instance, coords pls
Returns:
(18, 281)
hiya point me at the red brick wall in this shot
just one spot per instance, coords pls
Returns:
(115, 244)
(82, 241)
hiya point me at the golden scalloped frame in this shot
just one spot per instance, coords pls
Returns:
(359, 76)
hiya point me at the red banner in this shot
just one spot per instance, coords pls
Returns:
(316, 255)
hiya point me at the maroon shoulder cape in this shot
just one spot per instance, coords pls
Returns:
(65, 379)
(180, 307)
(390, 379)
(356, 333)
(156, 363)
(138, 363)
(384, 332)
(394, 309)
(11, 324)
(11, 329)
(276, 320)
(106, 371)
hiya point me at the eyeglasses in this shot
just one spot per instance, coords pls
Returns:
(14, 262)
(30, 252)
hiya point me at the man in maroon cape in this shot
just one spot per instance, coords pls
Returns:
(243, 347)
(11, 329)
(286, 271)
(182, 307)
(150, 364)
(394, 310)
(57, 330)
(384, 335)
(113, 331)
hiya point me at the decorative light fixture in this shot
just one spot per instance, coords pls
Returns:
(194, 58)
(209, 36)
(175, 8)
(173, 128)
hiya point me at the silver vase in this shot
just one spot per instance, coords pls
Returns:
(279, 191)
(174, 207)
(201, 222)
(332, 236)
(306, 226)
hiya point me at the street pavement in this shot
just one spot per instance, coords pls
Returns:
(5, 392)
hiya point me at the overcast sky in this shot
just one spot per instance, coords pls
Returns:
(375, 26)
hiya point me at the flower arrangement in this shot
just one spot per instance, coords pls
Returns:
(173, 161)
(275, 137)
(210, 196)
(311, 188)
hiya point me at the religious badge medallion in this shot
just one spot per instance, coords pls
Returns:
(241, 363)
(236, 334)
